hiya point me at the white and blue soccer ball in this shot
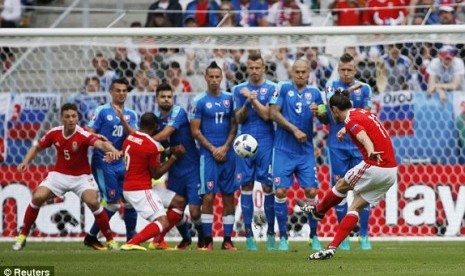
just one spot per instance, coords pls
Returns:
(245, 145)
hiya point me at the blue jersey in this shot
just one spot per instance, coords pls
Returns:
(105, 121)
(254, 125)
(295, 107)
(360, 98)
(215, 113)
(177, 118)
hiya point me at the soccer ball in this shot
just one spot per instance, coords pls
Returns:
(245, 145)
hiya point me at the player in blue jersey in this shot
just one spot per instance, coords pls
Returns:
(252, 112)
(345, 155)
(184, 179)
(110, 176)
(214, 127)
(294, 107)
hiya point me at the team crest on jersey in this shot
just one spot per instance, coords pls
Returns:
(308, 96)
(358, 91)
(226, 103)
(277, 180)
(263, 91)
(109, 117)
(74, 146)
(210, 184)
(126, 118)
(209, 105)
(291, 93)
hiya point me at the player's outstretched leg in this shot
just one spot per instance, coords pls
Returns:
(341, 211)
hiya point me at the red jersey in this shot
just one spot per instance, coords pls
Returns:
(348, 15)
(386, 9)
(359, 119)
(71, 151)
(140, 153)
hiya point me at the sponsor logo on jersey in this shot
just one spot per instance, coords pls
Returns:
(226, 103)
(109, 117)
(75, 146)
(209, 105)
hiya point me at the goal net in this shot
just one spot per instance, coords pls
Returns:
(43, 68)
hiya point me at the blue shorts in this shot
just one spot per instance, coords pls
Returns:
(187, 186)
(255, 168)
(217, 177)
(110, 178)
(342, 160)
(285, 165)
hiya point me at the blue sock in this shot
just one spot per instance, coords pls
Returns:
(364, 221)
(94, 229)
(341, 211)
(130, 221)
(280, 208)
(184, 230)
(207, 223)
(313, 226)
(247, 211)
(269, 212)
(199, 228)
(228, 223)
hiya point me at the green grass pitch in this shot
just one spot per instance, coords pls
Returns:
(386, 258)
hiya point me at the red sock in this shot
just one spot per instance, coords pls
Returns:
(29, 218)
(174, 216)
(103, 223)
(329, 200)
(347, 224)
(151, 230)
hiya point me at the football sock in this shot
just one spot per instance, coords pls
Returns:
(280, 208)
(269, 212)
(347, 224)
(331, 198)
(101, 218)
(29, 217)
(199, 228)
(311, 221)
(207, 222)
(228, 223)
(173, 215)
(341, 211)
(151, 230)
(247, 211)
(183, 228)
(111, 209)
(130, 221)
(364, 220)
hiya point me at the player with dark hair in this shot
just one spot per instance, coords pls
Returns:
(142, 161)
(184, 178)
(294, 107)
(70, 173)
(252, 112)
(110, 176)
(370, 179)
(214, 127)
(344, 155)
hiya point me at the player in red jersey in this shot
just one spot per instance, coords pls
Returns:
(370, 179)
(70, 173)
(142, 159)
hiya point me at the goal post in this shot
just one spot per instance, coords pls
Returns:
(43, 68)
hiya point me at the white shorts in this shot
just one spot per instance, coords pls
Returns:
(60, 183)
(371, 182)
(164, 194)
(146, 202)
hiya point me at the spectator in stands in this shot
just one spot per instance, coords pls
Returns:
(283, 63)
(170, 10)
(204, 11)
(289, 13)
(149, 71)
(397, 68)
(175, 79)
(123, 67)
(106, 76)
(347, 12)
(153, 84)
(446, 73)
(85, 101)
(159, 19)
(418, 19)
(384, 12)
(250, 13)
(447, 15)
(141, 82)
(189, 21)
(11, 14)
(320, 67)
(227, 17)
(91, 85)
(427, 7)
(235, 72)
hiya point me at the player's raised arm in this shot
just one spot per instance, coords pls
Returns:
(31, 154)
(158, 171)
